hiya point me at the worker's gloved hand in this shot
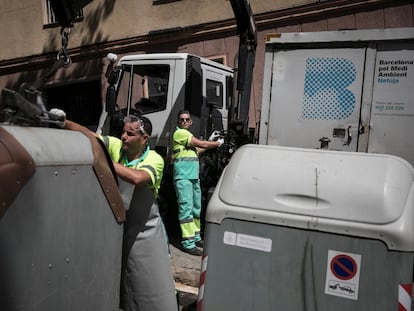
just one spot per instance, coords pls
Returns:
(220, 141)
(58, 115)
(214, 135)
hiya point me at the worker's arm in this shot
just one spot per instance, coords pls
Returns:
(203, 145)
(132, 176)
(70, 125)
(60, 116)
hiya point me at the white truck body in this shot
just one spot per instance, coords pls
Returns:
(353, 88)
(162, 80)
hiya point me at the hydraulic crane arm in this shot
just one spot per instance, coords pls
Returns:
(246, 29)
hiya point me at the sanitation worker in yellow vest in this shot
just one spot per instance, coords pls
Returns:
(186, 148)
(147, 282)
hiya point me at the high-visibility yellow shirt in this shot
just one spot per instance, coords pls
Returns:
(150, 162)
(186, 164)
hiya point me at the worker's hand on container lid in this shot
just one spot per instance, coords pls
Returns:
(220, 141)
(214, 135)
(58, 115)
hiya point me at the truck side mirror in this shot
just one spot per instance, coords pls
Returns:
(110, 100)
(230, 92)
(114, 76)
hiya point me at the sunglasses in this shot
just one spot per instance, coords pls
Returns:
(135, 119)
(184, 119)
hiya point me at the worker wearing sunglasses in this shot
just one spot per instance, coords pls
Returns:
(186, 148)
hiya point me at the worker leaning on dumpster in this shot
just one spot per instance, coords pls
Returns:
(147, 281)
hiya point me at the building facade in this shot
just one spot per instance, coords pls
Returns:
(31, 40)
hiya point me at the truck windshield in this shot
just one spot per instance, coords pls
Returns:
(143, 88)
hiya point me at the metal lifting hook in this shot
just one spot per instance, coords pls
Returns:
(63, 54)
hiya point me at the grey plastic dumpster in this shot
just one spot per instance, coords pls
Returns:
(60, 234)
(300, 229)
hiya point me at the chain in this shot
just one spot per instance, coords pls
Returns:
(63, 55)
(62, 59)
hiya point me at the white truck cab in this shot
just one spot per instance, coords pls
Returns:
(160, 85)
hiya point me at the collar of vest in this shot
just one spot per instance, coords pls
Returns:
(134, 163)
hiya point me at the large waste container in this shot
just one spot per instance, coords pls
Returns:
(301, 229)
(60, 222)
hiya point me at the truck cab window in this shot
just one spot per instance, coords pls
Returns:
(143, 88)
(214, 94)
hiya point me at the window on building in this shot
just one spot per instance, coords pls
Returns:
(222, 59)
(156, 2)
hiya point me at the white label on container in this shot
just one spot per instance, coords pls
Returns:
(229, 238)
(247, 241)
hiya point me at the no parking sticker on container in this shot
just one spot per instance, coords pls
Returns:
(342, 274)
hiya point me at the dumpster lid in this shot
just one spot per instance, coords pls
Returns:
(58, 147)
(361, 194)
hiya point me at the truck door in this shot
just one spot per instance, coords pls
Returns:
(392, 114)
(214, 111)
(316, 98)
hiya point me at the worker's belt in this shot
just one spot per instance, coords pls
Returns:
(182, 148)
(186, 159)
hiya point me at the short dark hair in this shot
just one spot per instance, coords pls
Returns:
(184, 111)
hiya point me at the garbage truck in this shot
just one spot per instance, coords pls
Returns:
(159, 85)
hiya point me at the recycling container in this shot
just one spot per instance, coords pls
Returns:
(61, 222)
(302, 229)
